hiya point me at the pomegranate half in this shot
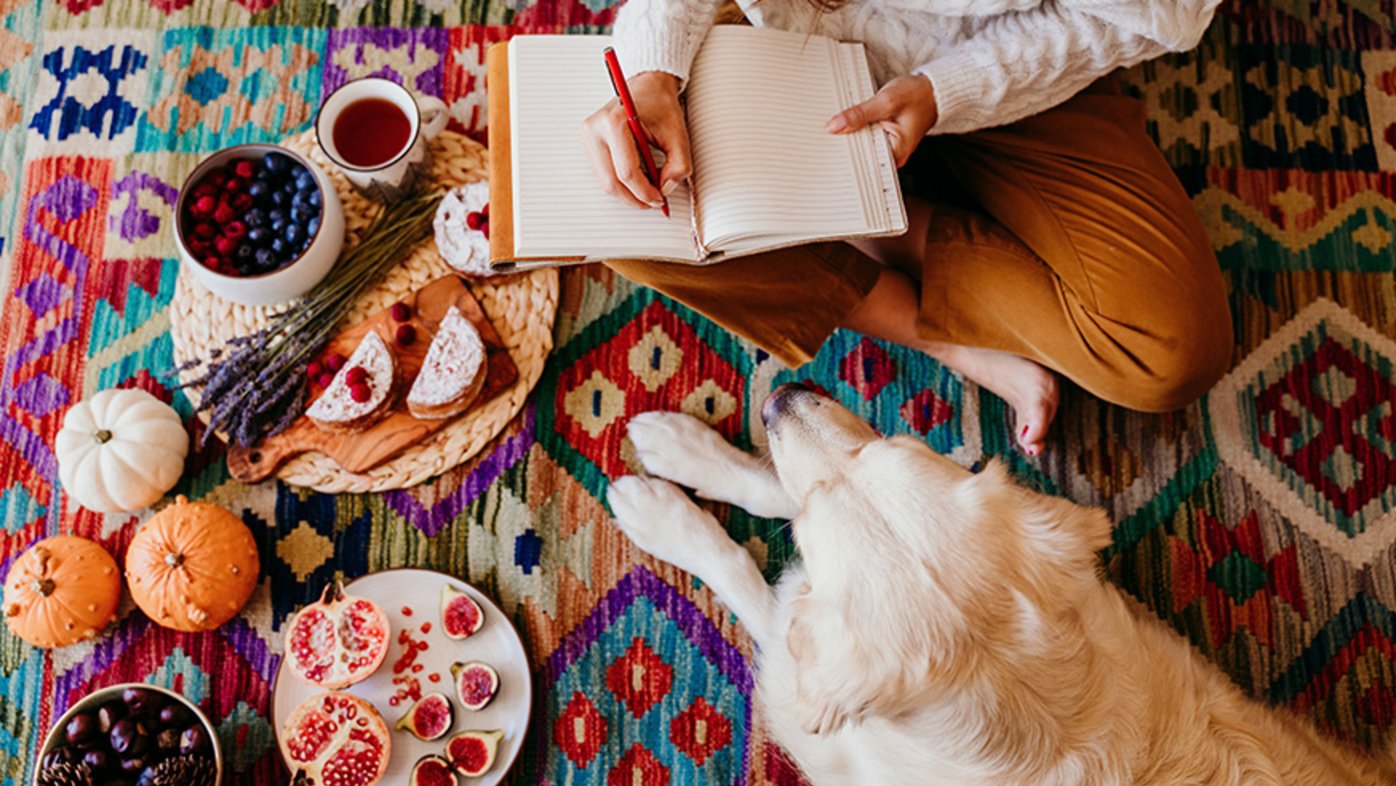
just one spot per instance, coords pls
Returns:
(338, 640)
(335, 739)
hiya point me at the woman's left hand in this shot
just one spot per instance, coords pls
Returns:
(904, 107)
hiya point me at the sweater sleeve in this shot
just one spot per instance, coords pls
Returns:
(661, 35)
(1021, 63)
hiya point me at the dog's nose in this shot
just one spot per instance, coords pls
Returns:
(780, 399)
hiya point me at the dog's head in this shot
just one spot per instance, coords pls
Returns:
(920, 573)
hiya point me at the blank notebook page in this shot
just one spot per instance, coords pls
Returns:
(560, 209)
(758, 101)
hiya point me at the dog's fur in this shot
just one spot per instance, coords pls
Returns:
(948, 627)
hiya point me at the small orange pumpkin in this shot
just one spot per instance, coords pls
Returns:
(192, 566)
(61, 591)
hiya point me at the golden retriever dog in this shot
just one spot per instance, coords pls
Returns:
(944, 626)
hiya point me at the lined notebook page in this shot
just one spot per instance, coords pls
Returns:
(766, 171)
(555, 82)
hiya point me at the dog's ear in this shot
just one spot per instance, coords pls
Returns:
(842, 676)
(1071, 534)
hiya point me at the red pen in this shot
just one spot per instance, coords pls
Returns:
(636, 130)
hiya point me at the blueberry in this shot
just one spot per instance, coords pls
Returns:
(289, 187)
(313, 226)
(314, 198)
(266, 259)
(293, 234)
(258, 236)
(280, 198)
(304, 212)
(277, 215)
(254, 218)
(258, 189)
(277, 162)
(244, 252)
(298, 199)
(279, 246)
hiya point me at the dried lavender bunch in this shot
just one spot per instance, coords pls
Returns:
(254, 386)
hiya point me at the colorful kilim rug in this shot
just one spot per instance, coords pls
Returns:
(1260, 523)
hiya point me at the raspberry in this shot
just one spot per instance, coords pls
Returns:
(334, 362)
(324, 379)
(473, 221)
(235, 230)
(205, 231)
(203, 206)
(224, 213)
(360, 392)
(313, 369)
(245, 169)
(243, 201)
(225, 245)
(357, 375)
(212, 263)
(405, 336)
(234, 185)
(216, 177)
(401, 312)
(204, 189)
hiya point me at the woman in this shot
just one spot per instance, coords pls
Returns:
(1047, 233)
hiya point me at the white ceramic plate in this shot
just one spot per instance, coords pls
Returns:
(496, 643)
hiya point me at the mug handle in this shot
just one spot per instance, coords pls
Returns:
(435, 115)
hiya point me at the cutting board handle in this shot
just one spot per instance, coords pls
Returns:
(256, 464)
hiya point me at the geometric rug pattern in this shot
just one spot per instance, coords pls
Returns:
(1259, 523)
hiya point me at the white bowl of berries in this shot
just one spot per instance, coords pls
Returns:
(258, 224)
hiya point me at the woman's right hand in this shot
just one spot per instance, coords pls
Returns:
(611, 147)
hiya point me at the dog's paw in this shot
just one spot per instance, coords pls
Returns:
(659, 518)
(683, 449)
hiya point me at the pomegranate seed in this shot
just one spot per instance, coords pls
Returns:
(401, 312)
(486, 230)
(357, 375)
(406, 611)
(334, 362)
(245, 169)
(486, 209)
(473, 221)
(324, 379)
(405, 336)
(313, 369)
(360, 392)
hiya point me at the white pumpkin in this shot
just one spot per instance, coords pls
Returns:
(120, 450)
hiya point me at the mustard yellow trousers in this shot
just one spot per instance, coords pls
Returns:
(1064, 238)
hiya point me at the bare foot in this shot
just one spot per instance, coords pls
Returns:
(1029, 389)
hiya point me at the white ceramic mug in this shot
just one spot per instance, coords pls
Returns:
(398, 175)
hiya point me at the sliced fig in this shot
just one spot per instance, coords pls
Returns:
(433, 771)
(472, 752)
(336, 739)
(429, 718)
(460, 615)
(337, 641)
(476, 683)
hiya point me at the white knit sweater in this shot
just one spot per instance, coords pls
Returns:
(991, 62)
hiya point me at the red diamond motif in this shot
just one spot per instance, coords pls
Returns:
(639, 678)
(700, 731)
(868, 368)
(925, 410)
(638, 767)
(580, 731)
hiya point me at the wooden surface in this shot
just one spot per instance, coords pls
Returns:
(363, 450)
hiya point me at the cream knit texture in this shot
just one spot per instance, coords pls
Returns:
(991, 62)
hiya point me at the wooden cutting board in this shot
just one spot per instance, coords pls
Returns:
(363, 450)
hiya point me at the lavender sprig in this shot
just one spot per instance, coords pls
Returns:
(254, 385)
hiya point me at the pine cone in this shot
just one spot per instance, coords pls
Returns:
(183, 771)
(67, 775)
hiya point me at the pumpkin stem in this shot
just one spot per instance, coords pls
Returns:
(101, 436)
(174, 560)
(43, 586)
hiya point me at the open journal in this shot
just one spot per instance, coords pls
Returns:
(765, 172)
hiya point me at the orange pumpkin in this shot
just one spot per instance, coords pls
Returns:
(61, 591)
(192, 566)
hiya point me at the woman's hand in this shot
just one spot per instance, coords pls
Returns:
(904, 107)
(611, 147)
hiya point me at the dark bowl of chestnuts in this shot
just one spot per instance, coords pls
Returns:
(131, 735)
